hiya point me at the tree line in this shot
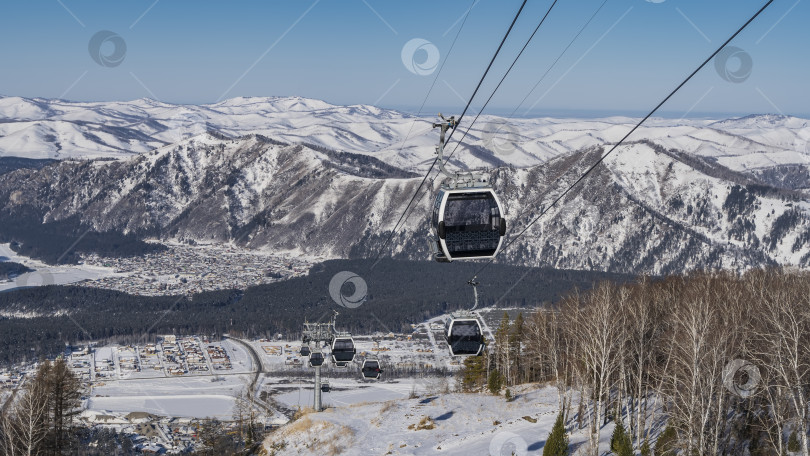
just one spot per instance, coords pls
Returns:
(702, 364)
(9, 270)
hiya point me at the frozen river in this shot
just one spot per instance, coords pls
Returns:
(45, 274)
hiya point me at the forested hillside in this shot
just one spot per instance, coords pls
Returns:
(43, 319)
(704, 364)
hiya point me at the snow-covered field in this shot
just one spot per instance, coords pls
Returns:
(349, 392)
(46, 274)
(193, 397)
(191, 405)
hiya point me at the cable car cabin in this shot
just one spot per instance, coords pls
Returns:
(464, 336)
(467, 224)
(342, 351)
(316, 359)
(325, 388)
(305, 351)
(371, 369)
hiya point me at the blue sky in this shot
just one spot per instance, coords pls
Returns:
(350, 52)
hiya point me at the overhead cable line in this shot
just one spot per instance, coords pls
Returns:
(436, 78)
(402, 146)
(548, 70)
(540, 80)
(469, 102)
(525, 45)
(615, 146)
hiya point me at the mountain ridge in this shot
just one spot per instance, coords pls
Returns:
(645, 209)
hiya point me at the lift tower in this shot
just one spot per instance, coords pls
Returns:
(314, 336)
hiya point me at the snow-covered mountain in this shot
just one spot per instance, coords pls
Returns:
(645, 209)
(47, 128)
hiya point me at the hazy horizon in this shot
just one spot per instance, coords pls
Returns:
(430, 111)
(390, 55)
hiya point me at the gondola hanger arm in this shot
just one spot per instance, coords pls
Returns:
(467, 179)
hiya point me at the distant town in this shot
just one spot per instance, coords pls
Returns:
(185, 269)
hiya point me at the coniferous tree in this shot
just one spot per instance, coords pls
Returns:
(620, 443)
(645, 448)
(65, 398)
(473, 374)
(665, 445)
(793, 443)
(557, 442)
(495, 382)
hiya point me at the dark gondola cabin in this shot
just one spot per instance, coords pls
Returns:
(467, 224)
(316, 359)
(464, 336)
(305, 351)
(325, 388)
(371, 369)
(342, 351)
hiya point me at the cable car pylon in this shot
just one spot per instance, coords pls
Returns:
(314, 336)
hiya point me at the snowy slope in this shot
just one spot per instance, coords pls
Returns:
(457, 424)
